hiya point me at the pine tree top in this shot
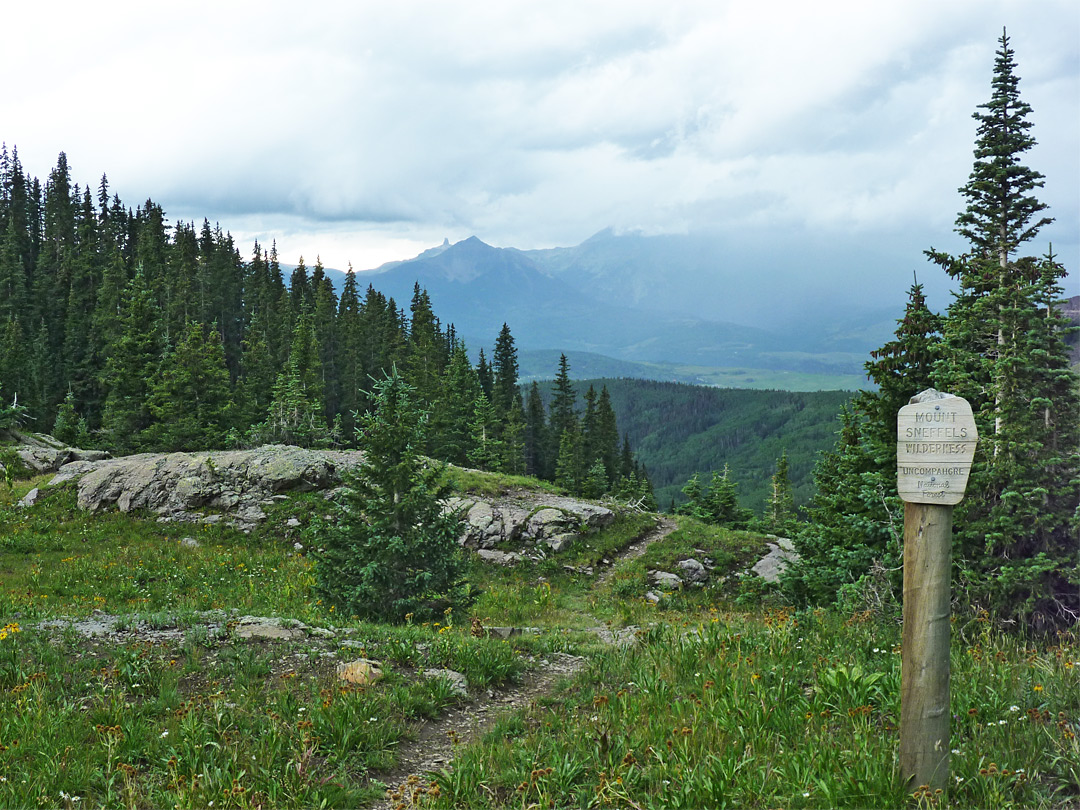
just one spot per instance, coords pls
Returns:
(1000, 210)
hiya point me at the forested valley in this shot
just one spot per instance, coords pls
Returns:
(677, 430)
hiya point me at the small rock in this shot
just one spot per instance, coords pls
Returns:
(189, 542)
(693, 570)
(362, 672)
(666, 581)
(298, 546)
(267, 629)
(652, 596)
(458, 685)
(500, 557)
(30, 498)
(251, 514)
(292, 523)
(559, 542)
(510, 632)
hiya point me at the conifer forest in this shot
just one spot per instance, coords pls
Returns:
(122, 333)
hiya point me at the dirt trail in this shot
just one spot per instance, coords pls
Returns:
(664, 527)
(435, 743)
(434, 746)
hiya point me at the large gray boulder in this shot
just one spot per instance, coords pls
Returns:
(527, 520)
(781, 554)
(235, 481)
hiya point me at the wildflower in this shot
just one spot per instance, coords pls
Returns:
(956, 750)
(1014, 708)
(1038, 687)
(164, 734)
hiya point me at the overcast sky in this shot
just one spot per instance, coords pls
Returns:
(367, 131)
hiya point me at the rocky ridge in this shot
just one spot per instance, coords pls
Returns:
(234, 486)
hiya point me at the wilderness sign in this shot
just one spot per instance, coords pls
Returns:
(935, 444)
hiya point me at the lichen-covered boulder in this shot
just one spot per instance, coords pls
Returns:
(235, 481)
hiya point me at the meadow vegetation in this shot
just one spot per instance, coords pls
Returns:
(724, 698)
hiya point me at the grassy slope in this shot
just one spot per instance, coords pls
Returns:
(720, 703)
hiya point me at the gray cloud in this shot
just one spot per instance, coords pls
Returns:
(371, 125)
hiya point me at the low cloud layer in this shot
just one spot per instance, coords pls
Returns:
(367, 131)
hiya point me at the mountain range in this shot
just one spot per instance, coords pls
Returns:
(662, 304)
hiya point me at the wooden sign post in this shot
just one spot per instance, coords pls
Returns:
(935, 444)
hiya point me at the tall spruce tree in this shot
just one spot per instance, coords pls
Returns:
(855, 513)
(132, 354)
(1016, 528)
(504, 391)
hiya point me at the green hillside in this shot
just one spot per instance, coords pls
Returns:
(677, 429)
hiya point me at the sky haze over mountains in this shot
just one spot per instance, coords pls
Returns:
(826, 138)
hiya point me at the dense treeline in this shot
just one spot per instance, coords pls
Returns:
(119, 331)
(677, 430)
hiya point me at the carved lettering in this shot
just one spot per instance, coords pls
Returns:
(935, 445)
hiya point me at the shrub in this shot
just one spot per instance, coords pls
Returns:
(392, 550)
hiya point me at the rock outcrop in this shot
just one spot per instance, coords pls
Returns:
(235, 482)
(234, 485)
(552, 521)
(42, 454)
(781, 554)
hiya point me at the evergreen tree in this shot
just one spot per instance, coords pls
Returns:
(14, 362)
(504, 392)
(535, 436)
(296, 407)
(426, 351)
(483, 373)
(512, 434)
(780, 509)
(136, 349)
(69, 427)
(569, 470)
(1002, 351)
(596, 480)
(607, 435)
(189, 394)
(722, 502)
(853, 521)
(350, 355)
(562, 417)
(452, 421)
(486, 449)
(258, 373)
(694, 506)
(392, 550)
